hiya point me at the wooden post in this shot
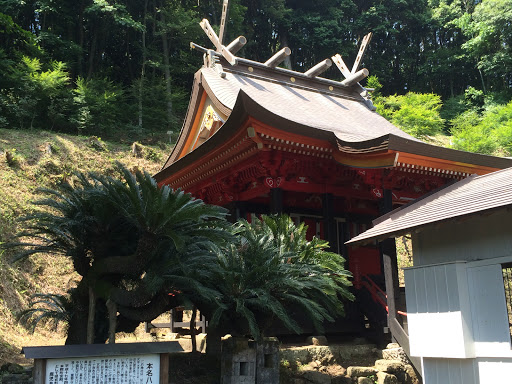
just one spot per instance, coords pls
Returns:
(236, 44)
(193, 329)
(330, 232)
(207, 28)
(389, 260)
(223, 21)
(112, 321)
(90, 315)
(278, 58)
(319, 68)
(39, 373)
(276, 200)
(341, 65)
(389, 276)
(240, 210)
(173, 320)
(362, 49)
(356, 77)
(164, 368)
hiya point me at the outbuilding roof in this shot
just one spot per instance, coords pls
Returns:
(469, 196)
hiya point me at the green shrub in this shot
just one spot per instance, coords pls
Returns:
(101, 108)
(416, 113)
(490, 133)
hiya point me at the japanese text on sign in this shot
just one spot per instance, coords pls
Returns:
(143, 369)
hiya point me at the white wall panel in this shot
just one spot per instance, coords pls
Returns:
(494, 372)
(480, 237)
(437, 315)
(437, 335)
(449, 371)
(489, 312)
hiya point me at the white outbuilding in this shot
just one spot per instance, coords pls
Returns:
(459, 290)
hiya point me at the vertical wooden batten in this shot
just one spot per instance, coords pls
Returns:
(330, 233)
(276, 200)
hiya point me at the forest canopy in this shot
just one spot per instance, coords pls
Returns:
(111, 67)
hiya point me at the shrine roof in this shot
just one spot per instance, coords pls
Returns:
(341, 111)
(230, 93)
(312, 107)
(472, 195)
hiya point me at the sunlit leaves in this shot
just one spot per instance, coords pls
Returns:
(416, 113)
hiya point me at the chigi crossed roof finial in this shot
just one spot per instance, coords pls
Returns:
(229, 53)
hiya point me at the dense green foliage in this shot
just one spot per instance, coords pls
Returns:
(108, 66)
(272, 273)
(131, 242)
(416, 113)
(143, 250)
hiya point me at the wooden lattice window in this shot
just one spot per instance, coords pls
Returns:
(507, 282)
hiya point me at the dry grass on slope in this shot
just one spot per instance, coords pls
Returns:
(30, 160)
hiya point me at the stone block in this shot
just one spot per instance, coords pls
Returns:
(360, 371)
(15, 378)
(389, 366)
(317, 377)
(238, 361)
(341, 380)
(267, 361)
(386, 378)
(11, 368)
(364, 380)
(317, 340)
(395, 354)
(410, 375)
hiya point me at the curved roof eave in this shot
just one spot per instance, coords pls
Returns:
(245, 107)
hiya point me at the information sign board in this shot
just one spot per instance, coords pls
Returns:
(138, 369)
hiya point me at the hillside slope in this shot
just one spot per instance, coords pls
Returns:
(30, 160)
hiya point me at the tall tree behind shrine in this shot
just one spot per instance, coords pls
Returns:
(132, 58)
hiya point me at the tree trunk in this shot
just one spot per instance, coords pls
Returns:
(92, 51)
(80, 39)
(193, 329)
(167, 70)
(482, 79)
(213, 341)
(213, 349)
(143, 69)
(91, 315)
(77, 327)
(112, 321)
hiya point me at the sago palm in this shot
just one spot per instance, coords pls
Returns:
(271, 271)
(132, 242)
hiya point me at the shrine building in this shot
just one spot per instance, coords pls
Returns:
(261, 139)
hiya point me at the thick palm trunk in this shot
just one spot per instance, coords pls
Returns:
(112, 321)
(91, 316)
(77, 326)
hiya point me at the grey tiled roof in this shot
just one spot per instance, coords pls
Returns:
(311, 107)
(347, 117)
(471, 195)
